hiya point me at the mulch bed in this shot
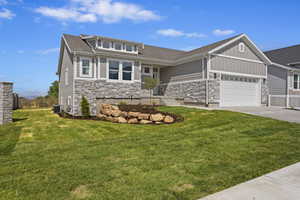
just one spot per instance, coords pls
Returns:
(127, 108)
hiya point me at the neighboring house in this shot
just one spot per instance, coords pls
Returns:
(284, 76)
(231, 72)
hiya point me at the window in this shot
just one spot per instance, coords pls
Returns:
(296, 81)
(106, 44)
(114, 69)
(146, 70)
(120, 70)
(127, 71)
(66, 77)
(86, 69)
(99, 43)
(155, 73)
(241, 47)
(118, 46)
(129, 48)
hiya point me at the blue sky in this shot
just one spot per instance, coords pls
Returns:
(30, 30)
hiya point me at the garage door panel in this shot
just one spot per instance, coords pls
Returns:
(239, 93)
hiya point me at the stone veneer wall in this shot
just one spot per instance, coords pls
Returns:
(191, 91)
(6, 102)
(102, 89)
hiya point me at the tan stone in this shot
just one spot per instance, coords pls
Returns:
(107, 112)
(112, 119)
(122, 120)
(169, 119)
(105, 106)
(156, 117)
(101, 116)
(133, 114)
(143, 121)
(115, 107)
(124, 114)
(144, 116)
(116, 113)
(133, 121)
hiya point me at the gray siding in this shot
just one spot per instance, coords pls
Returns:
(66, 90)
(237, 66)
(277, 80)
(184, 72)
(103, 67)
(233, 50)
(137, 71)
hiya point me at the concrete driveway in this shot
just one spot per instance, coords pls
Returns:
(272, 112)
(283, 184)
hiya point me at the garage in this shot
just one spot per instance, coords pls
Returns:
(239, 91)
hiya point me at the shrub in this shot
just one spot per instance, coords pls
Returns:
(122, 103)
(85, 107)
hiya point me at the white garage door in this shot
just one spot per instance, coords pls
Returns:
(239, 91)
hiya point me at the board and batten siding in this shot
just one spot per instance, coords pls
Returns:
(277, 80)
(233, 50)
(67, 68)
(184, 72)
(225, 64)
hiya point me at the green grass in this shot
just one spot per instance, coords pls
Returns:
(46, 157)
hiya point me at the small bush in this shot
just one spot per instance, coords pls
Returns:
(122, 103)
(85, 107)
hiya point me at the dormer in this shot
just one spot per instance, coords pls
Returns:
(110, 44)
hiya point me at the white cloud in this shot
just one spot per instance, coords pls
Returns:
(177, 33)
(98, 10)
(6, 14)
(3, 2)
(47, 51)
(219, 32)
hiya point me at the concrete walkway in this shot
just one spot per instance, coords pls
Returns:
(283, 184)
(271, 112)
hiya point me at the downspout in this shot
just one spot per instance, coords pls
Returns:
(207, 78)
(287, 90)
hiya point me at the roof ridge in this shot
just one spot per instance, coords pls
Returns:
(283, 48)
(166, 48)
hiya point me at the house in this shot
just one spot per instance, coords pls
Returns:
(231, 72)
(284, 76)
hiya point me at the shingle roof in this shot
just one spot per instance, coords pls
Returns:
(76, 43)
(284, 56)
(209, 47)
(161, 53)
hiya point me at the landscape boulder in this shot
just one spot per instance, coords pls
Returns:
(144, 116)
(133, 114)
(156, 117)
(168, 119)
(116, 113)
(133, 121)
(143, 121)
(122, 120)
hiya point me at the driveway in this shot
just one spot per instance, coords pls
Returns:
(283, 184)
(272, 112)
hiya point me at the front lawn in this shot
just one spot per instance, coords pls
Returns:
(46, 157)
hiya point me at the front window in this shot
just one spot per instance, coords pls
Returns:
(85, 65)
(106, 44)
(118, 46)
(114, 69)
(146, 70)
(129, 48)
(296, 81)
(127, 70)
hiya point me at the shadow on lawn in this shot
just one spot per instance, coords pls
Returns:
(19, 119)
(9, 136)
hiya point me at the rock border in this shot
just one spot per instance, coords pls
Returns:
(116, 114)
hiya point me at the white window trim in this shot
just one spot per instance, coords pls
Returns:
(242, 47)
(69, 101)
(294, 81)
(120, 71)
(90, 75)
(67, 76)
(112, 47)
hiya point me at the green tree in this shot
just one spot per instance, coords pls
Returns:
(150, 84)
(85, 107)
(53, 89)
